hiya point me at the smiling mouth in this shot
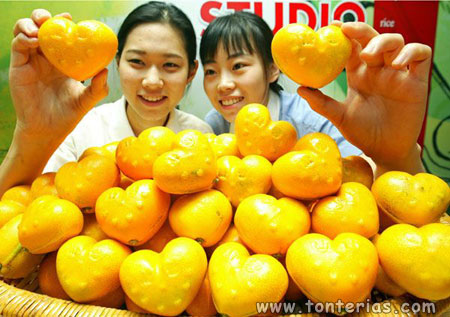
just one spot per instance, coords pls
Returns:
(153, 101)
(230, 102)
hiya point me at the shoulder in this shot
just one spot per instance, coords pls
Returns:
(183, 120)
(217, 122)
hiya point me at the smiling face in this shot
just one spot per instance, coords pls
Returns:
(236, 79)
(154, 71)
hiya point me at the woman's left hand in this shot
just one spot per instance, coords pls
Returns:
(386, 98)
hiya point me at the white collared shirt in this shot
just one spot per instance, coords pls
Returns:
(109, 123)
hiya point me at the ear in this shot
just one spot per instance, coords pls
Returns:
(192, 71)
(273, 73)
(117, 60)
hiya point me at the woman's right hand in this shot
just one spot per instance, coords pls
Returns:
(48, 104)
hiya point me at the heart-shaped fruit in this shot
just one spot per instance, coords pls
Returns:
(269, 226)
(9, 209)
(83, 182)
(134, 215)
(239, 281)
(417, 259)
(312, 170)
(48, 222)
(44, 185)
(239, 179)
(165, 283)
(353, 209)
(87, 269)
(135, 156)
(257, 134)
(415, 200)
(203, 216)
(189, 167)
(77, 50)
(309, 58)
(20, 194)
(223, 144)
(108, 150)
(331, 270)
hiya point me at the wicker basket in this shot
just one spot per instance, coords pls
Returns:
(15, 301)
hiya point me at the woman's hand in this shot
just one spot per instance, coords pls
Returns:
(47, 103)
(386, 98)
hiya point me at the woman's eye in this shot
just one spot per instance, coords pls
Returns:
(238, 66)
(135, 61)
(171, 65)
(209, 72)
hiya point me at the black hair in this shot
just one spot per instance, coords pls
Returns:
(237, 31)
(160, 12)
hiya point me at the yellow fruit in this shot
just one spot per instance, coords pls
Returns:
(239, 179)
(77, 50)
(311, 58)
(415, 200)
(15, 260)
(256, 133)
(203, 216)
(331, 270)
(269, 226)
(353, 209)
(417, 259)
(165, 283)
(240, 280)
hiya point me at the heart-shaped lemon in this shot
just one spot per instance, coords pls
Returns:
(331, 270)
(134, 215)
(239, 179)
(77, 50)
(239, 281)
(48, 222)
(416, 200)
(309, 58)
(135, 156)
(82, 182)
(257, 134)
(268, 225)
(353, 209)
(312, 170)
(165, 283)
(87, 269)
(425, 252)
(189, 167)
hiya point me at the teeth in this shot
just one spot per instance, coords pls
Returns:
(153, 99)
(231, 101)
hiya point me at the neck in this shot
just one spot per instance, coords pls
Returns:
(138, 124)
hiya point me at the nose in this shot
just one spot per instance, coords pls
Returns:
(152, 79)
(226, 83)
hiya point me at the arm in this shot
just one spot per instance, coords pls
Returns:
(48, 104)
(386, 98)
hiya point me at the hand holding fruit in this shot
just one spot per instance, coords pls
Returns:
(386, 98)
(47, 103)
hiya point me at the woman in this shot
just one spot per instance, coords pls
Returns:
(382, 122)
(156, 62)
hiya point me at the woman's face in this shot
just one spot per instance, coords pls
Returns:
(154, 72)
(235, 80)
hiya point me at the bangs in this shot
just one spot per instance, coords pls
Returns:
(235, 37)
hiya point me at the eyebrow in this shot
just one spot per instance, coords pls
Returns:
(234, 55)
(141, 52)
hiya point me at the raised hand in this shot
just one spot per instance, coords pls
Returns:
(386, 98)
(47, 103)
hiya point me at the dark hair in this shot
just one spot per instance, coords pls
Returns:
(160, 12)
(237, 31)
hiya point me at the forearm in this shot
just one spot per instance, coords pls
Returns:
(25, 160)
(411, 164)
